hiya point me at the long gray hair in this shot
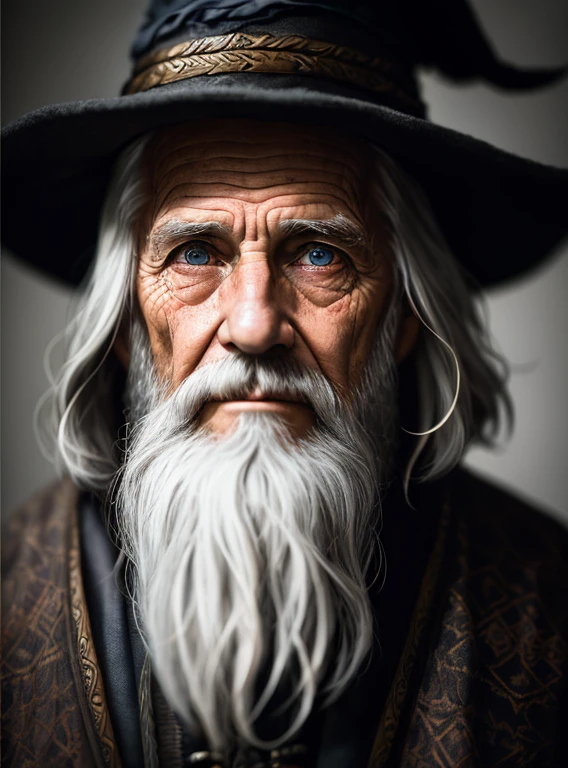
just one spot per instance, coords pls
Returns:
(458, 377)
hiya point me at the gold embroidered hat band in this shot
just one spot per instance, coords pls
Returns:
(349, 65)
(290, 54)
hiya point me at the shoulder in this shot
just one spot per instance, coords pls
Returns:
(497, 517)
(496, 661)
(36, 532)
(42, 722)
(509, 553)
(35, 551)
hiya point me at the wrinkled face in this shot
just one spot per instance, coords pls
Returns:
(260, 238)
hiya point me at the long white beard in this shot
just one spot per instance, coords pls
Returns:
(250, 552)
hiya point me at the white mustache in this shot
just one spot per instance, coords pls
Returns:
(239, 377)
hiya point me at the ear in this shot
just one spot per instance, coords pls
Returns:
(121, 349)
(406, 337)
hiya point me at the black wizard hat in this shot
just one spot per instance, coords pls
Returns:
(345, 64)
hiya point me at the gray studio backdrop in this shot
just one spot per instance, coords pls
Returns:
(57, 50)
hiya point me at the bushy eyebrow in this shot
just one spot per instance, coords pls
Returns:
(177, 229)
(339, 228)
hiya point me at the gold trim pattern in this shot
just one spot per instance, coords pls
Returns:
(91, 673)
(240, 52)
(147, 722)
(399, 688)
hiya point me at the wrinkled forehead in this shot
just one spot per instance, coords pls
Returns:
(257, 154)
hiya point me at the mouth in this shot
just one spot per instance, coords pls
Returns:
(220, 414)
(257, 396)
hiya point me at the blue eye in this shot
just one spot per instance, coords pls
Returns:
(196, 255)
(320, 257)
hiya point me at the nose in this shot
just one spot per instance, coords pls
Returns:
(254, 321)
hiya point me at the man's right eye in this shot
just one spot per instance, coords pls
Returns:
(194, 254)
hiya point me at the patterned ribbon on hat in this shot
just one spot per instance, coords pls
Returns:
(291, 54)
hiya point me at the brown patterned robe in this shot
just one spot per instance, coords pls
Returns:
(481, 680)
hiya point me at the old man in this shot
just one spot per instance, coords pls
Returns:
(262, 553)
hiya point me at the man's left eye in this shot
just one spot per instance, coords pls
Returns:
(317, 257)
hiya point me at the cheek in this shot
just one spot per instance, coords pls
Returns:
(192, 331)
(328, 333)
(340, 336)
(180, 333)
(153, 295)
(192, 285)
(322, 288)
(154, 300)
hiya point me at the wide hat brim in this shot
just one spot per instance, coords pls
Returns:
(500, 214)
